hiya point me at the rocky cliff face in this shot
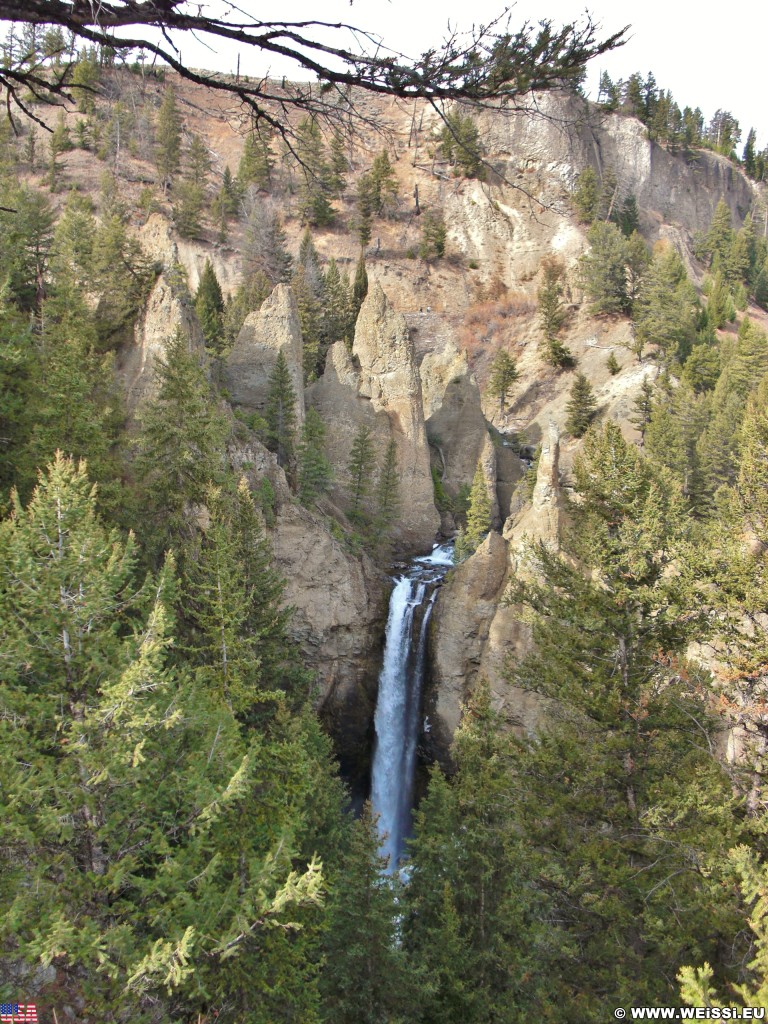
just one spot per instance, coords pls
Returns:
(339, 603)
(168, 308)
(456, 427)
(476, 633)
(379, 386)
(266, 332)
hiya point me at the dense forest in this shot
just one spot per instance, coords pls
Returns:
(178, 843)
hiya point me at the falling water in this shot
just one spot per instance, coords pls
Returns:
(398, 708)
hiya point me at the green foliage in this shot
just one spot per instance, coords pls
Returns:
(168, 139)
(479, 515)
(552, 315)
(604, 270)
(265, 249)
(360, 287)
(377, 191)
(643, 407)
(612, 364)
(85, 79)
(586, 195)
(28, 233)
(469, 923)
(433, 235)
(503, 374)
(188, 199)
(631, 795)
(366, 978)
(256, 163)
(180, 446)
(665, 310)
(315, 176)
(315, 472)
(124, 861)
(581, 407)
(360, 476)
(209, 306)
(280, 413)
(460, 145)
(233, 598)
(388, 500)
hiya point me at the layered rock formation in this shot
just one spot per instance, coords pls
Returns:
(339, 603)
(379, 386)
(168, 308)
(272, 329)
(477, 634)
(456, 426)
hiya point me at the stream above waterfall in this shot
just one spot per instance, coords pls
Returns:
(398, 718)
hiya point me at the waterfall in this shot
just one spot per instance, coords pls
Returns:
(398, 707)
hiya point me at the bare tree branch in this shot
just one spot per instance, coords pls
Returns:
(489, 64)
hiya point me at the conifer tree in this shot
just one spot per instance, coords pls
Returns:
(720, 235)
(460, 145)
(581, 407)
(134, 818)
(360, 475)
(552, 315)
(235, 597)
(503, 375)
(168, 144)
(479, 515)
(360, 286)
(209, 306)
(603, 270)
(198, 161)
(384, 185)
(315, 177)
(365, 978)
(433, 235)
(181, 444)
(364, 212)
(280, 413)
(315, 470)
(265, 249)
(598, 633)
(339, 166)
(229, 198)
(308, 286)
(469, 925)
(629, 217)
(387, 494)
(748, 156)
(642, 407)
(664, 312)
(256, 163)
(188, 199)
(586, 195)
(336, 322)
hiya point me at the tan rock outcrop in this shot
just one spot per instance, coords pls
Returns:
(340, 611)
(167, 309)
(339, 602)
(462, 617)
(456, 426)
(542, 519)
(272, 329)
(475, 634)
(379, 386)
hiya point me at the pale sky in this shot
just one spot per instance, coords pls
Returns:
(711, 56)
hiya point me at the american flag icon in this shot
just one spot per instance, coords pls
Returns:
(18, 1013)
